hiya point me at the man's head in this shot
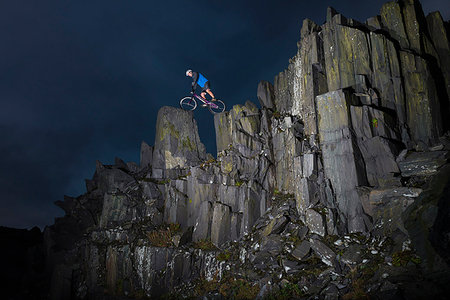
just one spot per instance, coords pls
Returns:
(189, 73)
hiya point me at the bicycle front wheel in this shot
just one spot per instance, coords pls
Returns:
(216, 107)
(188, 103)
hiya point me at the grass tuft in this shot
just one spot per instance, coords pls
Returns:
(162, 237)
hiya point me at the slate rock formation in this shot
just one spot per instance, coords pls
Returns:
(337, 186)
(176, 147)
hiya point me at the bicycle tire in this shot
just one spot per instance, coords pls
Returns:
(188, 103)
(216, 107)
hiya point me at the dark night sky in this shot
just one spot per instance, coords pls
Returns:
(83, 80)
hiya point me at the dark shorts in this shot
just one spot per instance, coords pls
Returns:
(206, 87)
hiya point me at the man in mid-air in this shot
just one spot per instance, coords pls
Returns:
(199, 80)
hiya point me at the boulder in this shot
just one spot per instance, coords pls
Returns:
(302, 232)
(272, 244)
(352, 255)
(290, 267)
(276, 225)
(315, 222)
(323, 252)
(422, 163)
(301, 250)
(374, 200)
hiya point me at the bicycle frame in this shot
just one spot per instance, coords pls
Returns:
(205, 101)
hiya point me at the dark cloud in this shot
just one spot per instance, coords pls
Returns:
(83, 80)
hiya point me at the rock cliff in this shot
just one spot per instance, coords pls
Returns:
(337, 186)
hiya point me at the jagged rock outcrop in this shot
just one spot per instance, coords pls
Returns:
(175, 147)
(344, 165)
(385, 73)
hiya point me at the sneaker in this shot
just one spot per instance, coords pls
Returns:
(213, 99)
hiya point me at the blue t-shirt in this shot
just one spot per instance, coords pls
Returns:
(201, 80)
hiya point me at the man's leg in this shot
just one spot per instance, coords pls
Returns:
(211, 94)
(203, 95)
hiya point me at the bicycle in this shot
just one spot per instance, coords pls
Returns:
(189, 103)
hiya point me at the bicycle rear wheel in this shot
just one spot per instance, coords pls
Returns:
(188, 103)
(216, 107)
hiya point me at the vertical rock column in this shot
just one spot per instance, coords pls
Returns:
(346, 53)
(246, 175)
(178, 148)
(314, 81)
(422, 105)
(342, 161)
(177, 143)
(439, 37)
(295, 110)
(420, 63)
(286, 146)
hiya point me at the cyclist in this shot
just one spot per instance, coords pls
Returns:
(199, 80)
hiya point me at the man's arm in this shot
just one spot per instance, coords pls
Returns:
(194, 80)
